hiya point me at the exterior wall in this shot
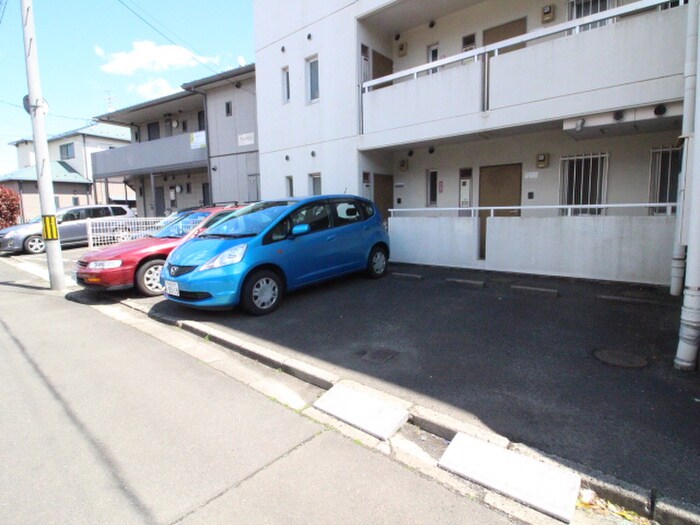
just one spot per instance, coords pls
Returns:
(233, 141)
(64, 195)
(629, 249)
(328, 126)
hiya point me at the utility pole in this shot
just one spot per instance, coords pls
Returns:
(37, 108)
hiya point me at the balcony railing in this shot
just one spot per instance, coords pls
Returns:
(600, 70)
(561, 209)
(184, 151)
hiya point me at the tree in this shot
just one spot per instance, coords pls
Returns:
(9, 207)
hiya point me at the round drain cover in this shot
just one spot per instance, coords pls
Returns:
(621, 358)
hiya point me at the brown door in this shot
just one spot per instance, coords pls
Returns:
(504, 32)
(498, 186)
(384, 194)
(381, 67)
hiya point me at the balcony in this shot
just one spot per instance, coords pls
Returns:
(563, 72)
(180, 152)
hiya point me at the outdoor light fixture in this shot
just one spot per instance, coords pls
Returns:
(308, 37)
(313, 153)
(431, 150)
(618, 115)
(660, 110)
(397, 37)
(282, 49)
(410, 153)
(431, 24)
(286, 157)
(579, 124)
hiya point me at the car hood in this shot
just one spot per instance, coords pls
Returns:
(143, 245)
(197, 251)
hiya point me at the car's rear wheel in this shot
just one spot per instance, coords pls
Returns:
(148, 278)
(262, 292)
(34, 244)
(377, 263)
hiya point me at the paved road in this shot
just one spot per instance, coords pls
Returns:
(104, 422)
(519, 362)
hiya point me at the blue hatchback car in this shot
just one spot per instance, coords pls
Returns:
(257, 253)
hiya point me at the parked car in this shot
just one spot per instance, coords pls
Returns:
(266, 249)
(138, 262)
(72, 228)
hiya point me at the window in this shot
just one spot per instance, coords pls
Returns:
(286, 94)
(67, 151)
(584, 180)
(433, 52)
(184, 126)
(316, 215)
(118, 210)
(201, 121)
(312, 78)
(665, 169)
(581, 8)
(315, 184)
(96, 213)
(346, 212)
(432, 187)
(229, 109)
(76, 200)
(153, 131)
(468, 44)
(289, 182)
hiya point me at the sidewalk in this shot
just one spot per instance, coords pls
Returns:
(608, 399)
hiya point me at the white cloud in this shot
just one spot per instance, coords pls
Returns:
(147, 56)
(154, 88)
(241, 61)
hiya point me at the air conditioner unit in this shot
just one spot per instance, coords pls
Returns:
(403, 165)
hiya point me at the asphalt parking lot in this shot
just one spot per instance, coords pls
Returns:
(582, 371)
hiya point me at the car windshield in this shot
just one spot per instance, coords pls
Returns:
(248, 221)
(181, 225)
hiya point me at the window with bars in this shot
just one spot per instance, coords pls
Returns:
(581, 8)
(665, 169)
(584, 181)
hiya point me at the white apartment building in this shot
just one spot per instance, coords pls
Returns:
(541, 137)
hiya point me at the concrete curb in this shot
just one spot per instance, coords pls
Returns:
(644, 502)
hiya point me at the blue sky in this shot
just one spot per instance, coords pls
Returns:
(97, 55)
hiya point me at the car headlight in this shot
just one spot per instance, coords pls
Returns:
(231, 256)
(104, 265)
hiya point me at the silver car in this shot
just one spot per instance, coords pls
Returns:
(72, 228)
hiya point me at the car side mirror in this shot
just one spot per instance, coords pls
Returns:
(300, 229)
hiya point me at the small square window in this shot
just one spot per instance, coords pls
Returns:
(67, 151)
(312, 75)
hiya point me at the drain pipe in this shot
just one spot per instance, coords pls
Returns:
(690, 85)
(689, 333)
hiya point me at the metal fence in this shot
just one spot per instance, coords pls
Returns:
(103, 232)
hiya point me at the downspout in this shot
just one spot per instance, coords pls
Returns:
(689, 333)
(690, 75)
(206, 135)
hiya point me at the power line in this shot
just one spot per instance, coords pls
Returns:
(48, 114)
(3, 5)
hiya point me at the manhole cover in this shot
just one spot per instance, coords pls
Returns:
(378, 356)
(621, 358)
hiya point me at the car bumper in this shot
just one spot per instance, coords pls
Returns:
(12, 245)
(109, 279)
(218, 288)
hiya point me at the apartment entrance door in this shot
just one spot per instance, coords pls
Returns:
(384, 194)
(498, 186)
(498, 34)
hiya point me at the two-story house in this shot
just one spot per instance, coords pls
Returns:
(192, 148)
(517, 136)
(71, 169)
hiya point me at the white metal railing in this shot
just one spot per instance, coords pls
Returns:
(563, 209)
(477, 54)
(103, 232)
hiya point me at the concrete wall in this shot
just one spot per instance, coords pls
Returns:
(629, 249)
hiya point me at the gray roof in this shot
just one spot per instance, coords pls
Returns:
(60, 172)
(225, 76)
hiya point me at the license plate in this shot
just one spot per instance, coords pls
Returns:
(172, 288)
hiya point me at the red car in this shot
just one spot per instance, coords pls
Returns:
(138, 262)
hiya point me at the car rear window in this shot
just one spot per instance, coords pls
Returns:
(117, 210)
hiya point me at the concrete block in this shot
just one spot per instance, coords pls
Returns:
(374, 414)
(548, 489)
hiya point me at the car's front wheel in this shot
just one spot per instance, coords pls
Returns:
(148, 278)
(34, 244)
(377, 263)
(262, 292)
